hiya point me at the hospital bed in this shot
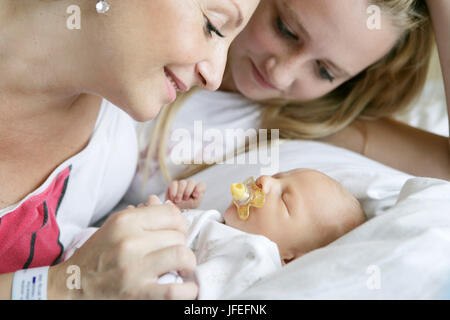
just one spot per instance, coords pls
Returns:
(401, 252)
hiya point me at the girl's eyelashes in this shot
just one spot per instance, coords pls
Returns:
(323, 72)
(284, 30)
(210, 28)
(288, 34)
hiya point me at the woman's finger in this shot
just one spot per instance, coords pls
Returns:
(153, 200)
(157, 217)
(173, 291)
(189, 189)
(140, 246)
(175, 258)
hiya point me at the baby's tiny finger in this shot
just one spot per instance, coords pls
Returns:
(173, 189)
(199, 189)
(181, 187)
(189, 189)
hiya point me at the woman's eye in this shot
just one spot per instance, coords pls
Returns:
(210, 28)
(284, 30)
(323, 73)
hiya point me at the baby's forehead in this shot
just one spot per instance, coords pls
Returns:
(302, 173)
(310, 180)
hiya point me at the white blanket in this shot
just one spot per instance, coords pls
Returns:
(400, 253)
(229, 261)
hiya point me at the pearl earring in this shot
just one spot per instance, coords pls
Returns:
(102, 6)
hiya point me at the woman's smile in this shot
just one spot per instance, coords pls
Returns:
(174, 84)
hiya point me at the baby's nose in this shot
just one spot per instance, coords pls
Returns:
(264, 182)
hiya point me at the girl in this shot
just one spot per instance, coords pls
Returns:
(316, 70)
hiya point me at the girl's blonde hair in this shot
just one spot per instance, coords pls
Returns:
(389, 85)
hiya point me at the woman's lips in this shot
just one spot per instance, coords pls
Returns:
(174, 84)
(261, 79)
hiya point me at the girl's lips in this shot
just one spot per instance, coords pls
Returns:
(261, 79)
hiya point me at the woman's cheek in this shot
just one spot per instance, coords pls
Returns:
(190, 47)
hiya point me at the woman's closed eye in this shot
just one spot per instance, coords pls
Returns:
(210, 28)
(284, 30)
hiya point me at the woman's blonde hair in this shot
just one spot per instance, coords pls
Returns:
(387, 86)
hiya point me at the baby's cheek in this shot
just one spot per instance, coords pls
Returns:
(229, 214)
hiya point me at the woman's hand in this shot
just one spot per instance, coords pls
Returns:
(127, 255)
(186, 194)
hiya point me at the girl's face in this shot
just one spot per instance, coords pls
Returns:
(303, 49)
(144, 51)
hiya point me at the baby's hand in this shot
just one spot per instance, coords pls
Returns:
(186, 194)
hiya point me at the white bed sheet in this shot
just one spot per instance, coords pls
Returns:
(400, 253)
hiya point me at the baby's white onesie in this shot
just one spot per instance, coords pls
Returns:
(228, 260)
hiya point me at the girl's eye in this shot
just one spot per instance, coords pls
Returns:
(324, 74)
(284, 30)
(210, 28)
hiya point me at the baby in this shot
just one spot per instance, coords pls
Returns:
(304, 210)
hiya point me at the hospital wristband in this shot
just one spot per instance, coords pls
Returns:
(30, 284)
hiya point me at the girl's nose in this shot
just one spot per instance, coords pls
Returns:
(283, 70)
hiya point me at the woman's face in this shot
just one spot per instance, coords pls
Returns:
(303, 49)
(148, 50)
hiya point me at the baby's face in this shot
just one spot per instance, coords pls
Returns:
(304, 210)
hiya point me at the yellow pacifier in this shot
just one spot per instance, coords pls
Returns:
(246, 195)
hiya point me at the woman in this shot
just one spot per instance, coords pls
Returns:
(67, 157)
(320, 72)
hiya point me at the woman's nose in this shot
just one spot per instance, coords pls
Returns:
(210, 71)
